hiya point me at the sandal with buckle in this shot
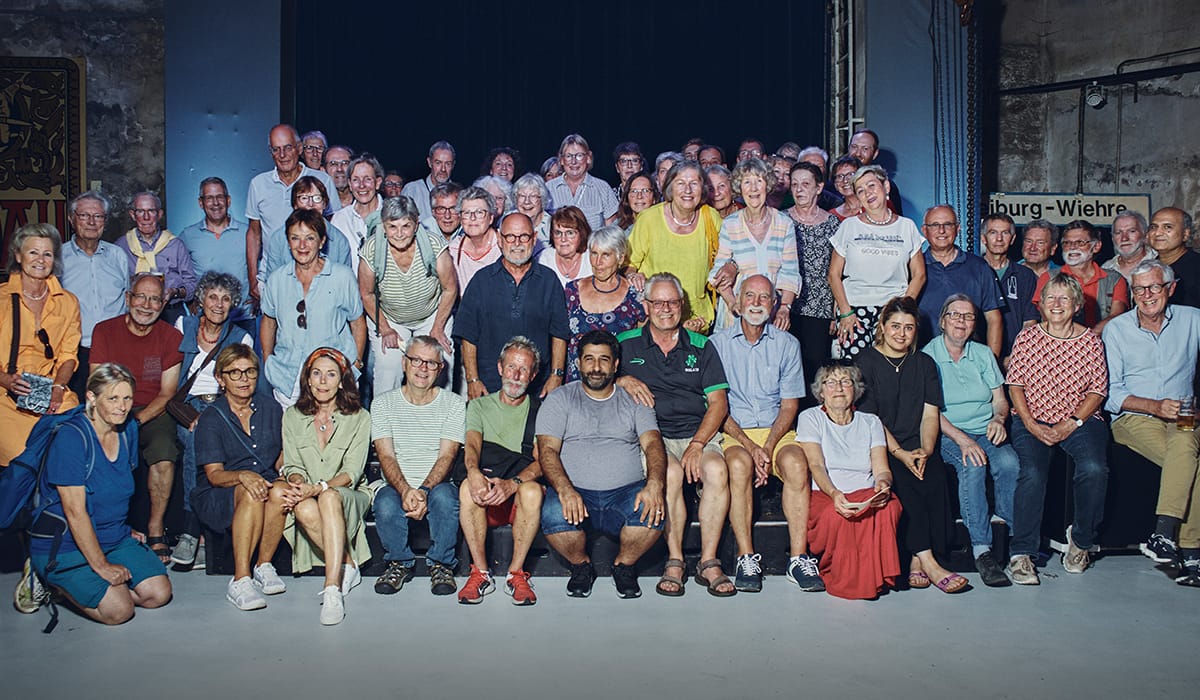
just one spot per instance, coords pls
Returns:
(714, 584)
(667, 578)
(918, 579)
(163, 553)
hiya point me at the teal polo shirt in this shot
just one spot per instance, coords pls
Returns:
(967, 384)
(680, 380)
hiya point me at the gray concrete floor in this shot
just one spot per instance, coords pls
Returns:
(1123, 628)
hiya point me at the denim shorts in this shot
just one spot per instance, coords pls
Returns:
(608, 511)
(73, 575)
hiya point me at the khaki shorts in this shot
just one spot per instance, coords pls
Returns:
(676, 446)
(759, 435)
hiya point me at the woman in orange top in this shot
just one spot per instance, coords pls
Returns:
(49, 331)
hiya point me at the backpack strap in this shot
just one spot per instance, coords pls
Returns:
(527, 441)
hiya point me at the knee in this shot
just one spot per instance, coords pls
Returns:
(793, 470)
(529, 495)
(330, 500)
(713, 470)
(387, 502)
(444, 495)
(737, 460)
(117, 608)
(154, 592)
(275, 495)
(307, 512)
(674, 474)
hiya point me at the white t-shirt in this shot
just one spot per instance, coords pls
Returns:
(547, 258)
(206, 382)
(876, 258)
(847, 448)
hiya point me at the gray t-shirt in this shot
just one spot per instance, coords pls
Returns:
(600, 446)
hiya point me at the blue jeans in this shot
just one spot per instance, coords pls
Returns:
(187, 441)
(972, 485)
(1087, 447)
(392, 525)
(608, 511)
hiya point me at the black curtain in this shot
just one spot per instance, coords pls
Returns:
(394, 78)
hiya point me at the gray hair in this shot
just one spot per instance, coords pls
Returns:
(814, 150)
(397, 208)
(756, 166)
(1131, 214)
(674, 156)
(573, 139)
(520, 342)
(866, 170)
(349, 151)
(665, 278)
(315, 134)
(443, 146)
(219, 280)
(96, 195)
(532, 181)
(35, 230)
(104, 376)
(612, 239)
(677, 170)
(503, 185)
(791, 149)
(214, 180)
(445, 189)
(474, 192)
(369, 160)
(1148, 266)
(426, 340)
(137, 279)
(830, 368)
(954, 298)
(145, 193)
(1067, 283)
(1045, 225)
(718, 170)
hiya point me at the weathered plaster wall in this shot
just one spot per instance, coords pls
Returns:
(122, 41)
(1156, 139)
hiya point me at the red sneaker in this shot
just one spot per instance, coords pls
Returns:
(478, 584)
(519, 588)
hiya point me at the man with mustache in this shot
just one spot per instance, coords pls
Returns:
(1105, 293)
(766, 383)
(499, 472)
(512, 296)
(1129, 243)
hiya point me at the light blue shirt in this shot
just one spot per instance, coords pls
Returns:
(276, 253)
(99, 281)
(418, 191)
(761, 375)
(967, 384)
(226, 253)
(269, 201)
(331, 304)
(1151, 366)
(593, 196)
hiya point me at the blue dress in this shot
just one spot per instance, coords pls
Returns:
(626, 316)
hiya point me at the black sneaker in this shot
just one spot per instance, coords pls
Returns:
(441, 579)
(747, 576)
(1161, 549)
(1189, 574)
(393, 579)
(803, 572)
(582, 577)
(625, 579)
(990, 571)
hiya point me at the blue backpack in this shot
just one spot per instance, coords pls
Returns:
(21, 501)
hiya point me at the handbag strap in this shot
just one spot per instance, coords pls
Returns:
(187, 386)
(16, 333)
(237, 430)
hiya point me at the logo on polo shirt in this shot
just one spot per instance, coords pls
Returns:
(691, 363)
(636, 361)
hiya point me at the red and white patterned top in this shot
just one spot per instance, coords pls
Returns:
(1057, 373)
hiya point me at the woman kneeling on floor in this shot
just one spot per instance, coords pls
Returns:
(852, 518)
(238, 446)
(326, 438)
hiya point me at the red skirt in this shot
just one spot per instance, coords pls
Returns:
(858, 556)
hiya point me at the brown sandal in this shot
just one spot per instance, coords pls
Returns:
(667, 578)
(718, 581)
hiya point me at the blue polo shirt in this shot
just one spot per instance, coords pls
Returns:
(967, 384)
(680, 380)
(495, 308)
(269, 201)
(761, 375)
(1151, 366)
(1017, 285)
(966, 274)
(222, 253)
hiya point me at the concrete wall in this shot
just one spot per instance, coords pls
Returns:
(122, 41)
(1156, 139)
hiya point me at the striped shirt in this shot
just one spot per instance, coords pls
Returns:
(407, 297)
(416, 431)
(775, 257)
(593, 196)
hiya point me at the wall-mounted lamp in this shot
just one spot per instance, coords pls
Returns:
(1094, 96)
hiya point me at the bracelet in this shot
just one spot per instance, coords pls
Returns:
(848, 314)
(324, 485)
(59, 386)
(472, 381)
(423, 489)
(697, 442)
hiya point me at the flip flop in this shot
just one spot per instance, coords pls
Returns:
(918, 579)
(667, 578)
(952, 584)
(718, 581)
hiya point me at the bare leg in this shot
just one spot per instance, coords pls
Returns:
(472, 517)
(333, 535)
(714, 506)
(153, 592)
(929, 564)
(741, 497)
(797, 488)
(115, 608)
(676, 523)
(525, 523)
(159, 479)
(272, 527)
(572, 545)
(635, 541)
(247, 529)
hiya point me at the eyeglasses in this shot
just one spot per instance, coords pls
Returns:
(144, 212)
(529, 197)
(143, 298)
(641, 191)
(1144, 289)
(834, 383)
(750, 153)
(286, 148)
(337, 163)
(91, 218)
(960, 315)
(423, 363)
(314, 149)
(475, 213)
(301, 320)
(942, 225)
(239, 374)
(573, 156)
(665, 304)
(214, 198)
(632, 162)
(310, 198)
(442, 211)
(565, 233)
(515, 237)
(844, 177)
(43, 336)
(1076, 244)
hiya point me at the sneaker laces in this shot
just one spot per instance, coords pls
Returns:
(808, 566)
(749, 565)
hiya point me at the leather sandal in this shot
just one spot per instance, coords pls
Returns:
(667, 578)
(163, 553)
(712, 586)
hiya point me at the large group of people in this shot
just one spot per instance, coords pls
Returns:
(553, 352)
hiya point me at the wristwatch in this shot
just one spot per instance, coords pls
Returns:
(557, 372)
(518, 480)
(1078, 421)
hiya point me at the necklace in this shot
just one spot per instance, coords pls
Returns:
(323, 426)
(30, 297)
(204, 336)
(885, 222)
(894, 365)
(605, 291)
(680, 224)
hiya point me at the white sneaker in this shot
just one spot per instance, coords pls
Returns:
(30, 595)
(268, 579)
(244, 595)
(332, 609)
(350, 578)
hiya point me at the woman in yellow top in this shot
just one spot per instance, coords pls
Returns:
(679, 236)
(49, 333)
(326, 436)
